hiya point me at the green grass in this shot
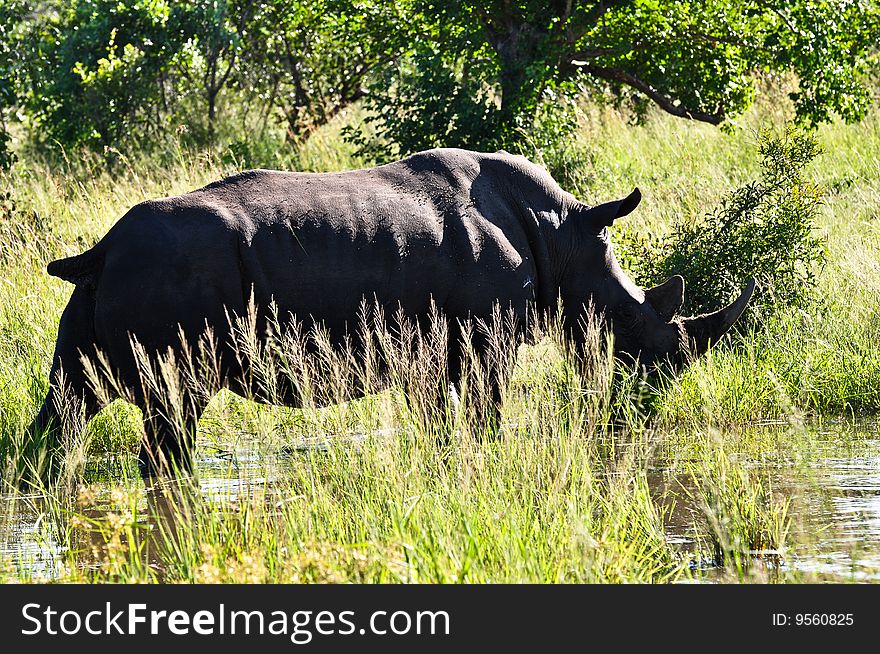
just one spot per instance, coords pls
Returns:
(589, 482)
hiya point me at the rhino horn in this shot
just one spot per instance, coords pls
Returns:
(704, 330)
(667, 298)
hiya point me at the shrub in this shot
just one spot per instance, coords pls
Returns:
(7, 157)
(10, 16)
(27, 234)
(552, 140)
(433, 99)
(764, 230)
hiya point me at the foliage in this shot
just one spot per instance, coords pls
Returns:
(11, 12)
(764, 229)
(214, 31)
(478, 70)
(99, 71)
(553, 141)
(483, 75)
(311, 60)
(440, 93)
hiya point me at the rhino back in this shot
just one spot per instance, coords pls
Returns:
(316, 245)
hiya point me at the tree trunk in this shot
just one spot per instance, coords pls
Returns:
(212, 111)
(514, 91)
(516, 44)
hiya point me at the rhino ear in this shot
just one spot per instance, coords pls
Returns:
(667, 298)
(605, 214)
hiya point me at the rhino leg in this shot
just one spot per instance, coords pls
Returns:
(167, 446)
(485, 404)
(486, 408)
(70, 401)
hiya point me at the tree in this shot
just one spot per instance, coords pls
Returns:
(106, 73)
(217, 27)
(11, 15)
(101, 69)
(440, 89)
(311, 59)
(696, 60)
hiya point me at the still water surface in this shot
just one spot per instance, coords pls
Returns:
(835, 510)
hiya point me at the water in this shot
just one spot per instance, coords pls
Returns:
(28, 542)
(850, 522)
(835, 510)
(834, 493)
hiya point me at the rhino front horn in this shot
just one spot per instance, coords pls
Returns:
(704, 330)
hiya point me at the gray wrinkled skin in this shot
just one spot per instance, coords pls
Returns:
(462, 229)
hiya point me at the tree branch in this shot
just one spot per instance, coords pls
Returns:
(786, 21)
(594, 53)
(662, 101)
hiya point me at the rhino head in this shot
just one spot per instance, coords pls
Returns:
(645, 323)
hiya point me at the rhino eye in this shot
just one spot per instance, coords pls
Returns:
(628, 316)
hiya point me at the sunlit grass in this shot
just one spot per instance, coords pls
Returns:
(566, 495)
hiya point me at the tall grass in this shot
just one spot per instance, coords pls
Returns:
(414, 498)
(381, 489)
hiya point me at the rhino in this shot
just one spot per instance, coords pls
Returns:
(448, 229)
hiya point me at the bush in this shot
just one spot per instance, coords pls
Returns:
(25, 233)
(552, 140)
(764, 230)
(433, 99)
(99, 74)
(10, 17)
(7, 157)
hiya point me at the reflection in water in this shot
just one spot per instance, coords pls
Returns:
(839, 506)
(27, 541)
(850, 543)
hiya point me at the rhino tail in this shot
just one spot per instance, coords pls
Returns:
(80, 270)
